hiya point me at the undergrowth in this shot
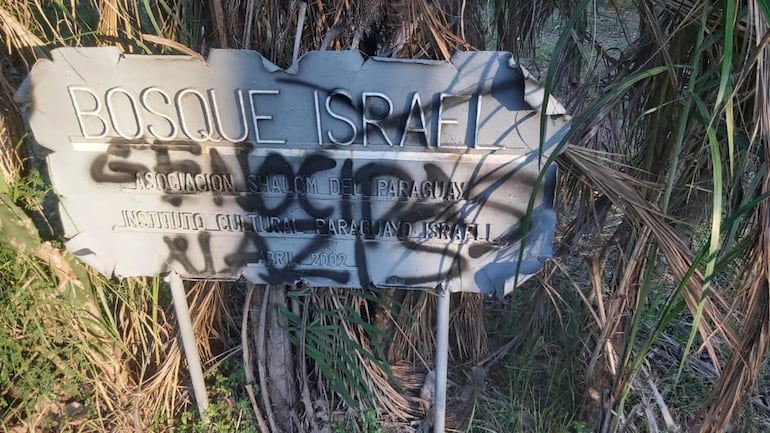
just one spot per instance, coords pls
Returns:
(44, 371)
(230, 408)
(535, 388)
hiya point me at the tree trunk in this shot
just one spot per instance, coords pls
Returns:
(275, 360)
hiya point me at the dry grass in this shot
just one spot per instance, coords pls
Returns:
(655, 147)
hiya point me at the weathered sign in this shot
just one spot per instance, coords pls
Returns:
(339, 172)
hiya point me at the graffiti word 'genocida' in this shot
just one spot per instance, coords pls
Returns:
(340, 118)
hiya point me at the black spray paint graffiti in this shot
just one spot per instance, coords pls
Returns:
(355, 200)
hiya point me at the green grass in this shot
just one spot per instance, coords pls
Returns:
(42, 366)
(366, 423)
(76, 349)
(535, 388)
(230, 408)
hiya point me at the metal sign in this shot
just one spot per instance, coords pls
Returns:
(339, 172)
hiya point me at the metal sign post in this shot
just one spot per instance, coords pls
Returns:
(442, 356)
(188, 343)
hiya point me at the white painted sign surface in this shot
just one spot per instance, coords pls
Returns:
(340, 172)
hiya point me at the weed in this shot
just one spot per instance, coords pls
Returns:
(367, 423)
(341, 343)
(579, 427)
(40, 366)
(229, 410)
(535, 388)
(29, 191)
(222, 418)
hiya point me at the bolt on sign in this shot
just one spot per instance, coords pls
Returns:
(338, 172)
